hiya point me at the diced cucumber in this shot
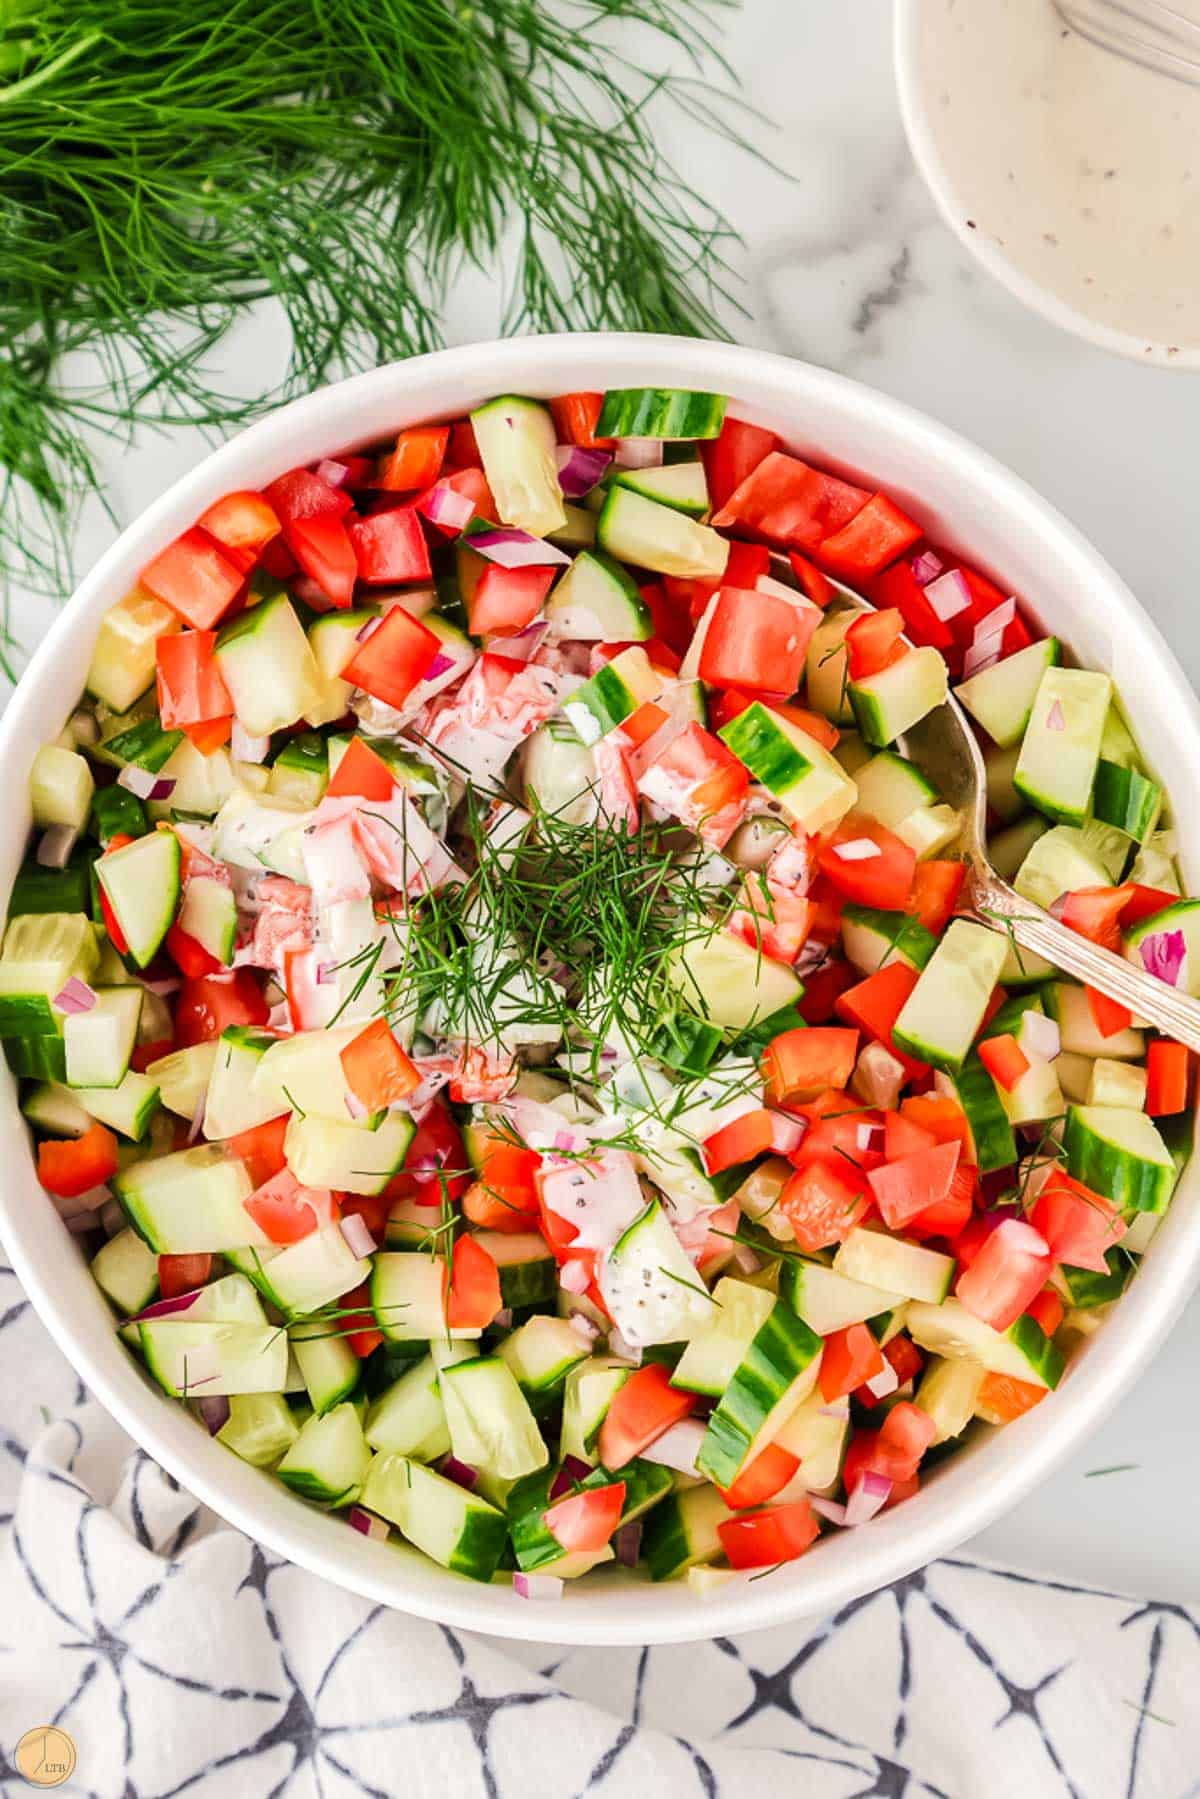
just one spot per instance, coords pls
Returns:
(681, 1533)
(790, 764)
(615, 691)
(930, 830)
(408, 1297)
(1117, 1084)
(141, 742)
(300, 772)
(711, 1358)
(1129, 801)
(141, 884)
(98, 1043)
(948, 1393)
(36, 1058)
(68, 889)
(1154, 864)
(267, 664)
(60, 788)
(42, 950)
(541, 1353)
(982, 1100)
(260, 1428)
(830, 1301)
(329, 1366)
(1185, 918)
(1036, 1097)
(126, 1272)
(891, 788)
(234, 1103)
(304, 1073)
(1001, 697)
(491, 1424)
(941, 1015)
(189, 1202)
(209, 914)
(587, 1394)
(350, 1158)
(1024, 968)
(728, 982)
(534, 1543)
(651, 536)
(1000, 766)
(893, 701)
(333, 639)
(196, 1361)
(597, 600)
(124, 657)
(559, 775)
(202, 783)
(682, 485)
(1086, 1288)
(315, 1271)
(1008, 850)
(55, 1110)
(662, 412)
(895, 1265)
(777, 1372)
(579, 532)
(456, 1529)
(1068, 1006)
(1119, 1153)
(826, 668)
(1061, 748)
(818, 1434)
(650, 1287)
(516, 445)
(528, 1271)
(117, 812)
(1023, 1351)
(328, 1462)
(408, 1418)
(1074, 1075)
(128, 1107)
(183, 1076)
(873, 940)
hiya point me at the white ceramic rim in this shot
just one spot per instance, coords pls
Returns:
(1010, 530)
(928, 157)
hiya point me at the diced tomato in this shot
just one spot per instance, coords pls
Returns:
(145, 1053)
(1166, 1078)
(814, 585)
(943, 1117)
(898, 586)
(799, 1064)
(873, 643)
(576, 417)
(390, 546)
(908, 1187)
(504, 1197)
(1047, 1310)
(188, 954)
(1002, 1397)
(906, 1359)
(639, 1413)
(740, 1141)
(394, 658)
(851, 1357)
(209, 1004)
(301, 494)
(764, 1539)
(507, 599)
(463, 449)
(583, 1522)
(783, 499)
(875, 536)
(276, 559)
(760, 1480)
(745, 567)
(1095, 913)
(1143, 902)
(1108, 1015)
(883, 878)
(936, 890)
(416, 460)
(841, 1130)
(71, 1166)
(357, 1311)
(1012, 1266)
(948, 1216)
(732, 456)
(210, 735)
(876, 1003)
(182, 1274)
(771, 918)
(1004, 1060)
(437, 1145)
(287, 1211)
(261, 1149)
(823, 1201)
(193, 578)
(377, 1070)
(1079, 1226)
(373, 1208)
(823, 989)
(756, 641)
(361, 774)
(904, 1137)
(473, 1296)
(322, 547)
(907, 1432)
(240, 521)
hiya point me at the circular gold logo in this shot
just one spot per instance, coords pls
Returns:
(45, 1756)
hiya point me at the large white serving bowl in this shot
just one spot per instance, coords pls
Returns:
(967, 501)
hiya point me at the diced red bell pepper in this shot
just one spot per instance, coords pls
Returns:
(875, 536)
(194, 578)
(1095, 913)
(1012, 1266)
(1108, 1015)
(416, 460)
(761, 1479)
(361, 774)
(936, 890)
(1166, 1078)
(208, 1005)
(463, 449)
(182, 1274)
(377, 1070)
(190, 956)
(301, 494)
(822, 990)
(783, 499)
(822, 1202)
(639, 1413)
(241, 521)
(190, 688)
(745, 567)
(322, 547)
(71, 1166)
(732, 456)
(948, 1216)
(907, 1187)
(764, 1539)
(1143, 902)
(1004, 1060)
(261, 1149)
(435, 1167)
(358, 1311)
(898, 586)
(903, 1137)
(396, 656)
(582, 1523)
(576, 417)
(814, 585)
(1047, 1311)
(740, 1141)
(209, 736)
(799, 1064)
(873, 643)
(1079, 1226)
(391, 547)
(875, 1004)
(939, 1115)
(851, 1357)
(883, 878)
(473, 1294)
(756, 641)
(507, 599)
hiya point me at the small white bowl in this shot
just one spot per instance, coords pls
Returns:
(968, 501)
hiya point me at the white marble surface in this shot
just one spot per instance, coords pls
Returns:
(847, 264)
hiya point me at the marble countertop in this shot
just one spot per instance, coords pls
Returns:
(848, 264)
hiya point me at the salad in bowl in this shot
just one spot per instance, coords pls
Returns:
(497, 1006)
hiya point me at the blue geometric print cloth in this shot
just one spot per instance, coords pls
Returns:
(182, 1659)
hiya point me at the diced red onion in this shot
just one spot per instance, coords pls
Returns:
(981, 656)
(364, 631)
(1041, 1035)
(503, 1319)
(1162, 955)
(883, 1383)
(678, 1446)
(461, 1473)
(214, 1410)
(522, 645)
(443, 505)
(334, 474)
(197, 1123)
(355, 1106)
(869, 1495)
(358, 1238)
(145, 785)
(870, 1137)
(579, 469)
(627, 1544)
(948, 594)
(618, 1346)
(745, 1259)
(569, 1475)
(566, 1140)
(827, 1508)
(367, 1524)
(639, 452)
(326, 972)
(55, 846)
(787, 1133)
(859, 849)
(165, 1308)
(74, 997)
(997, 621)
(926, 568)
(440, 665)
(112, 1218)
(245, 748)
(164, 988)
(586, 1328)
(1055, 718)
(509, 547)
(537, 1586)
(834, 1411)
(573, 1277)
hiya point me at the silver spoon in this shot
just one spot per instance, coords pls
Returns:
(945, 748)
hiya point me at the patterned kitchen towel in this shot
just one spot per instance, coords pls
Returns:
(181, 1658)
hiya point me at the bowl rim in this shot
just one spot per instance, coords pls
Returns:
(922, 140)
(959, 1500)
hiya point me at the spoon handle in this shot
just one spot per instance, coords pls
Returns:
(1176, 1014)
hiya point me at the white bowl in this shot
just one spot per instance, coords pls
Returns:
(968, 501)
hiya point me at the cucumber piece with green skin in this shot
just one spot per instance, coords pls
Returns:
(597, 600)
(1119, 1153)
(516, 441)
(36, 1058)
(829, 1301)
(141, 884)
(143, 744)
(182, 1077)
(711, 1359)
(613, 693)
(209, 914)
(126, 1272)
(1068, 1006)
(42, 950)
(588, 1391)
(1009, 850)
(456, 1529)
(579, 532)
(1037, 1096)
(1086, 1288)
(682, 1532)
(1001, 698)
(68, 889)
(315, 1271)
(198, 1360)
(408, 1417)
(541, 1353)
(1154, 864)
(982, 1101)
(650, 1287)
(945, 1009)
(534, 1543)
(491, 1424)
(304, 1073)
(1184, 917)
(128, 1107)
(999, 768)
(895, 1265)
(948, 1393)
(777, 1372)
(300, 772)
(99, 1042)
(60, 788)
(327, 1363)
(350, 1158)
(528, 1271)
(1061, 747)
(893, 701)
(725, 979)
(328, 1462)
(407, 1297)
(233, 1103)
(804, 777)
(260, 1428)
(1117, 1084)
(826, 668)
(124, 658)
(55, 1110)
(1023, 1351)
(189, 1202)
(662, 412)
(872, 939)
(1024, 968)
(681, 485)
(1127, 800)
(117, 812)
(268, 666)
(333, 639)
(819, 1436)
(685, 1044)
(410, 1225)
(890, 788)
(648, 535)
(930, 830)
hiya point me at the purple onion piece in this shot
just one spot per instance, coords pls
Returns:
(579, 469)
(367, 1524)
(508, 547)
(357, 1235)
(948, 594)
(74, 997)
(163, 1308)
(1162, 954)
(461, 1473)
(440, 665)
(827, 1508)
(627, 1544)
(214, 1409)
(926, 568)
